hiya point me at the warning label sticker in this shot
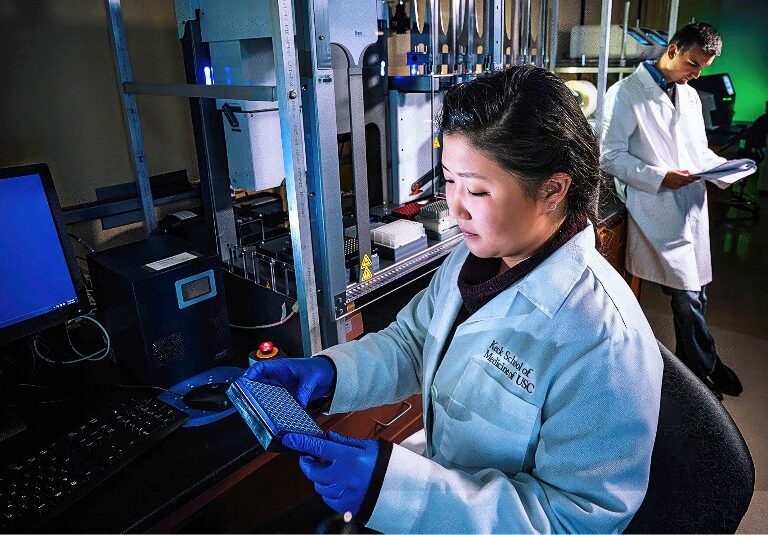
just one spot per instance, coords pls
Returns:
(365, 269)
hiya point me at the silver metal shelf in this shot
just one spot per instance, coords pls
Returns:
(595, 70)
(393, 272)
(235, 92)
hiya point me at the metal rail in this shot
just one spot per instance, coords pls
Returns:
(398, 269)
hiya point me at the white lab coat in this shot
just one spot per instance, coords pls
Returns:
(545, 403)
(644, 136)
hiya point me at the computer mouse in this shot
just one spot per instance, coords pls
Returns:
(208, 397)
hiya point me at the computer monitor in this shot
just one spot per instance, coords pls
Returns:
(40, 282)
(723, 98)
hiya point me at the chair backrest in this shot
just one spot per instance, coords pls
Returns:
(702, 476)
(756, 136)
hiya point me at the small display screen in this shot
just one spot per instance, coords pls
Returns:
(728, 84)
(196, 288)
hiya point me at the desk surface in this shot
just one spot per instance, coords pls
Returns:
(158, 489)
(163, 479)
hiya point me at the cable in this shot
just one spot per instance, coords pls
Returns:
(49, 402)
(12, 362)
(146, 386)
(81, 241)
(96, 356)
(283, 320)
(51, 361)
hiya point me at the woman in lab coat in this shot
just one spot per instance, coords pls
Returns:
(540, 377)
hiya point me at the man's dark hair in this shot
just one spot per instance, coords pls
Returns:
(698, 34)
(526, 120)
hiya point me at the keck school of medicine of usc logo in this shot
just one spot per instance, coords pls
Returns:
(511, 366)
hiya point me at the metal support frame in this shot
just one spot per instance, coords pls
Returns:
(525, 33)
(602, 69)
(230, 92)
(292, 133)
(319, 106)
(470, 31)
(359, 161)
(674, 8)
(453, 35)
(495, 33)
(515, 53)
(210, 145)
(130, 111)
(541, 46)
(554, 34)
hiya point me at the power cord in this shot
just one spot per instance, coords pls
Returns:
(97, 355)
(82, 242)
(146, 386)
(11, 376)
(284, 319)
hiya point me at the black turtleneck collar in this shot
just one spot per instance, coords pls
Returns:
(479, 281)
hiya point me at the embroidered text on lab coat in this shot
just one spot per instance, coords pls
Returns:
(517, 370)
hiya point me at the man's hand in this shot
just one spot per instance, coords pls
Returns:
(677, 178)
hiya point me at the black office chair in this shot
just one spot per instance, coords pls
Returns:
(754, 148)
(702, 476)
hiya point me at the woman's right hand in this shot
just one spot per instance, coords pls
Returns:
(307, 379)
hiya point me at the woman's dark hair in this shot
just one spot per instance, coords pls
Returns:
(529, 123)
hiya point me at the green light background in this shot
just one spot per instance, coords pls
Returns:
(743, 24)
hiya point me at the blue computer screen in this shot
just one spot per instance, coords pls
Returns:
(34, 277)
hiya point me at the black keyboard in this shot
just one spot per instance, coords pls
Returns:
(35, 489)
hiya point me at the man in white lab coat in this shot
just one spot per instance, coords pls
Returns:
(654, 142)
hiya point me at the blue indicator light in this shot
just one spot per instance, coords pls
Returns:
(208, 73)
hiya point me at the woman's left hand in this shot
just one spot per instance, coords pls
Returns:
(340, 467)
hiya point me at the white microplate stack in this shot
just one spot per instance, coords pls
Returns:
(435, 210)
(438, 224)
(398, 233)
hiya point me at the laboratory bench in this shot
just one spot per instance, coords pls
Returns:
(214, 477)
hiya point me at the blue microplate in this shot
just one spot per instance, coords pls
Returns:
(270, 412)
(221, 374)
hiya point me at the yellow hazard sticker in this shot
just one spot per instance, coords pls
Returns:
(436, 143)
(365, 269)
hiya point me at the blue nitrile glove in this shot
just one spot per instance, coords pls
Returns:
(339, 466)
(306, 379)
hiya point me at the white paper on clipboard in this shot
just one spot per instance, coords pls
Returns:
(726, 174)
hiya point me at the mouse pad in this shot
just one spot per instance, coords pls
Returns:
(197, 417)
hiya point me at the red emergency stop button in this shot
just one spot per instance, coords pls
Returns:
(267, 350)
